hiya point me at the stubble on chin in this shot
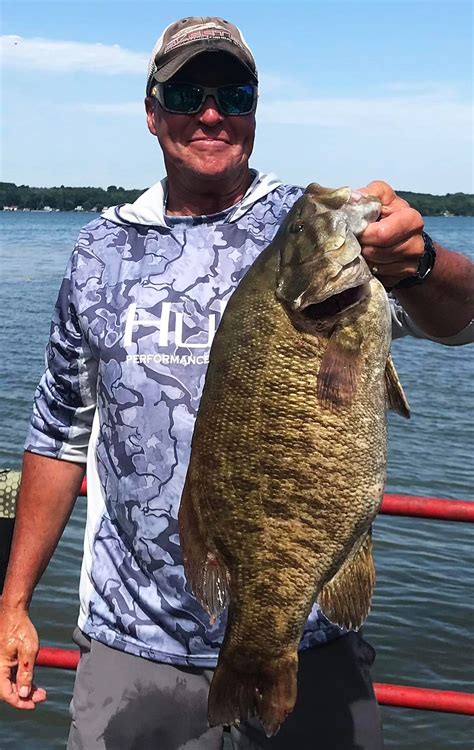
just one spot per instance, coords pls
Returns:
(204, 167)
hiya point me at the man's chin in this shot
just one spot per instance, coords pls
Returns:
(212, 170)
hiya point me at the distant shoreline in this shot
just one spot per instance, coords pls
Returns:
(14, 209)
(82, 199)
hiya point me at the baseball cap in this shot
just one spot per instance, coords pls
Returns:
(188, 37)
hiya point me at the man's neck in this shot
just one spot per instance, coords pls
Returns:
(208, 197)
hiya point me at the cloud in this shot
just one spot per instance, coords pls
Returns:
(69, 57)
(406, 107)
(397, 115)
(273, 83)
(393, 117)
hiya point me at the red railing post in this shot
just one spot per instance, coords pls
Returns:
(437, 508)
(426, 699)
(61, 658)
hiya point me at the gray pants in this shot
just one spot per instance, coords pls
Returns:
(123, 702)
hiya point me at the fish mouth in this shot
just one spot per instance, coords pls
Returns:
(337, 303)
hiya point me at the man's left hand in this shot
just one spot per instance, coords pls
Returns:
(393, 245)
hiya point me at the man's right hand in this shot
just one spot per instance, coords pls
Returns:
(47, 494)
(18, 649)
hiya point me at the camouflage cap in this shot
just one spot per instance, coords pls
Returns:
(188, 37)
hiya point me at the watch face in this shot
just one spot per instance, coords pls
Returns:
(427, 260)
(424, 264)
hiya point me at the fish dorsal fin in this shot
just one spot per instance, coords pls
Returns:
(346, 598)
(397, 401)
(206, 574)
(339, 369)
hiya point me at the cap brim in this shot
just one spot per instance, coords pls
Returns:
(181, 57)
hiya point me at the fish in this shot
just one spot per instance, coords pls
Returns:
(289, 451)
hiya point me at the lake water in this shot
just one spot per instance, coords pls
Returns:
(422, 617)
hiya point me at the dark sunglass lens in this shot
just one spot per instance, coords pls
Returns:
(182, 97)
(236, 100)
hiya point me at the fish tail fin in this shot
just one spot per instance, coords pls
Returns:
(238, 695)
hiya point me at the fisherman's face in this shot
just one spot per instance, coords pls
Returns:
(207, 144)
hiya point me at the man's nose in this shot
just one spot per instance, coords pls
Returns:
(209, 114)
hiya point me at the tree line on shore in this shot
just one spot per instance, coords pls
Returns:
(63, 198)
(95, 199)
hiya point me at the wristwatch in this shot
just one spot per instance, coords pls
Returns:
(425, 266)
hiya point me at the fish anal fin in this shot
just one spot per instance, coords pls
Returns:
(206, 574)
(397, 401)
(339, 369)
(238, 693)
(346, 598)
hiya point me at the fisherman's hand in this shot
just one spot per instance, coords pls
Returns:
(393, 245)
(18, 649)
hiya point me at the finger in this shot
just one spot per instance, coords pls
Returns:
(391, 273)
(409, 251)
(396, 270)
(390, 201)
(379, 189)
(9, 691)
(24, 675)
(393, 229)
(24, 704)
(6, 684)
(384, 192)
(38, 695)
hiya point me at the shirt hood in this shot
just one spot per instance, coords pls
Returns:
(149, 208)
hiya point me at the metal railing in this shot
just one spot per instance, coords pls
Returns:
(404, 696)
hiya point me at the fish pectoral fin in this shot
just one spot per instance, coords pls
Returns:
(346, 598)
(397, 401)
(339, 369)
(206, 574)
(212, 586)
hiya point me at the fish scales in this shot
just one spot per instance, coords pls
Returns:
(281, 489)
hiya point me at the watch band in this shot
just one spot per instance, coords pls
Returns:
(425, 265)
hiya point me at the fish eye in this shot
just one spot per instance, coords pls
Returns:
(298, 226)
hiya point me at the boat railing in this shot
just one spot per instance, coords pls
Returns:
(405, 696)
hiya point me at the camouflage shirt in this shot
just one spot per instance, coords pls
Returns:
(137, 310)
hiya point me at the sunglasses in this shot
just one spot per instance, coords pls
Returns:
(188, 98)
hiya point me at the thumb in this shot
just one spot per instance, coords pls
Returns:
(379, 189)
(24, 674)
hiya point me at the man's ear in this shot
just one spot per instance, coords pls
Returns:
(150, 107)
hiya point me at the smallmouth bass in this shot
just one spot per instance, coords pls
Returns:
(288, 455)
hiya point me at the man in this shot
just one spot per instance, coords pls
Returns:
(142, 296)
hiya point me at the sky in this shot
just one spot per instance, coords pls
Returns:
(350, 91)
